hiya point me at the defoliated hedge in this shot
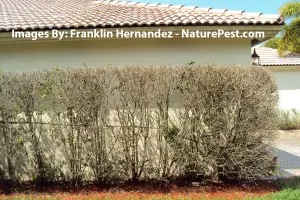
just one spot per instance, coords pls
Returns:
(139, 123)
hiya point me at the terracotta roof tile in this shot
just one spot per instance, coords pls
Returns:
(270, 57)
(50, 14)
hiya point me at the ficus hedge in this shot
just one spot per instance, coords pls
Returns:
(137, 123)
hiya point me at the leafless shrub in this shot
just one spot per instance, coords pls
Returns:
(227, 114)
(132, 103)
(166, 88)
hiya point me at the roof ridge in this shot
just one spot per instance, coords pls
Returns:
(121, 13)
(157, 5)
(188, 8)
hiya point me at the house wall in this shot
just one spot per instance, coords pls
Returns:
(99, 53)
(288, 80)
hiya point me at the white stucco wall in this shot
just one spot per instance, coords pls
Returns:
(98, 53)
(288, 80)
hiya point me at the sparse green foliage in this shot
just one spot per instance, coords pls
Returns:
(273, 43)
(290, 9)
(289, 39)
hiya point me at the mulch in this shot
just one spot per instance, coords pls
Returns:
(224, 190)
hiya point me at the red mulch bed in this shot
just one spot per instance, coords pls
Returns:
(140, 191)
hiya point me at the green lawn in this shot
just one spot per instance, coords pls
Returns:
(290, 191)
(287, 194)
